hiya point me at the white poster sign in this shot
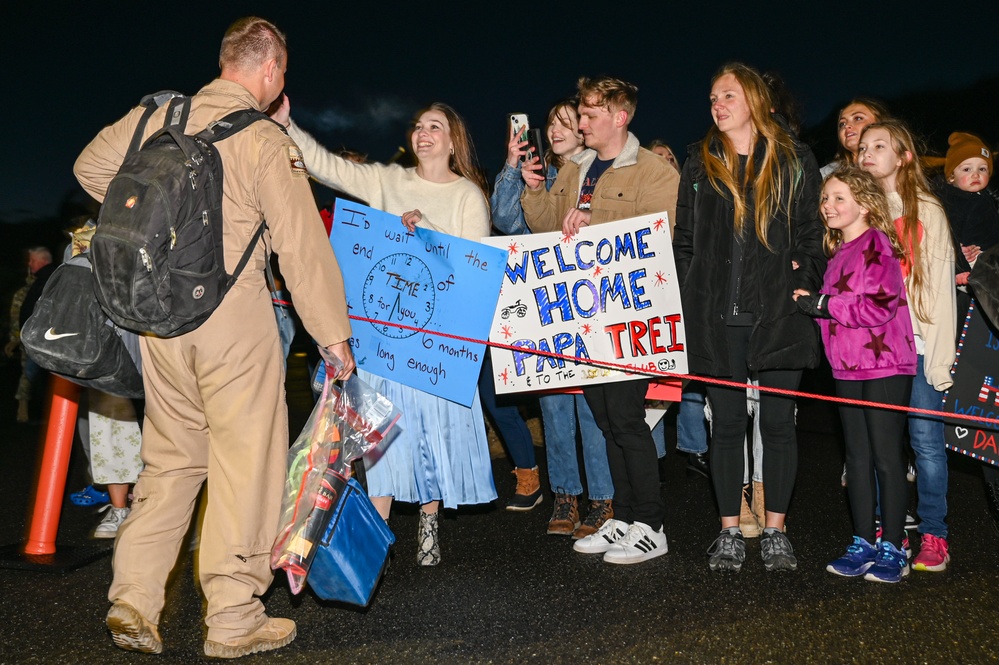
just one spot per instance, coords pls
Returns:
(607, 294)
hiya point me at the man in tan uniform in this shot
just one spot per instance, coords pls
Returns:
(215, 407)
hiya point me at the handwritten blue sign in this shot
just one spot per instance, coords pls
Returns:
(403, 289)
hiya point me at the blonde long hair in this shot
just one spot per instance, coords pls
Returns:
(773, 193)
(868, 194)
(913, 189)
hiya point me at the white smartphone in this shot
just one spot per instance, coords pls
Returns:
(518, 121)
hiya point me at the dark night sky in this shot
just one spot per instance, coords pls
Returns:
(357, 74)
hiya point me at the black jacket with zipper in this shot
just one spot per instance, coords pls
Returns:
(782, 337)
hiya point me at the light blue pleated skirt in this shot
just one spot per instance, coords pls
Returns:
(439, 454)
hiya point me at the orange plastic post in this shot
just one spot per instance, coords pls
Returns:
(53, 468)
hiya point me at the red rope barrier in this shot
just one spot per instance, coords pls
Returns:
(675, 375)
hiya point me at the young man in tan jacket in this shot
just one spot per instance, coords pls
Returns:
(614, 178)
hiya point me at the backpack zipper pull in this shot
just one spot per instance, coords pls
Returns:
(204, 217)
(146, 261)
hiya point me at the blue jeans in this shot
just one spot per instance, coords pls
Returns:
(559, 413)
(926, 434)
(286, 328)
(691, 426)
(659, 437)
(509, 423)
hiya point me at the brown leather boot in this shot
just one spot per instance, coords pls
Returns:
(750, 525)
(600, 512)
(565, 516)
(528, 493)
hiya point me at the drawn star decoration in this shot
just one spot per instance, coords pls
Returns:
(507, 332)
(659, 223)
(504, 376)
(660, 278)
(513, 247)
(587, 329)
(597, 271)
(566, 238)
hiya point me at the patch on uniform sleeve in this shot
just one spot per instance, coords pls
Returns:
(297, 161)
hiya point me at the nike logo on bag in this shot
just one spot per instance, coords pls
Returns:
(52, 335)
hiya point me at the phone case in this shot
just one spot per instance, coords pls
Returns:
(534, 144)
(519, 123)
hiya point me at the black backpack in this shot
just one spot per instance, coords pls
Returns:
(69, 334)
(157, 252)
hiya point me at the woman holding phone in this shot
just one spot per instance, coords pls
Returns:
(559, 412)
(747, 235)
(441, 455)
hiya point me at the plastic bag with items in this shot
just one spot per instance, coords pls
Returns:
(347, 421)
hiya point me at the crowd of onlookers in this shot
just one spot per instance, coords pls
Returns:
(864, 262)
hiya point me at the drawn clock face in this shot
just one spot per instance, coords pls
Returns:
(399, 289)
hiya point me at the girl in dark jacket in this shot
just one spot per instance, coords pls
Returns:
(747, 235)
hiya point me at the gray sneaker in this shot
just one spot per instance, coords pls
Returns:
(108, 528)
(728, 551)
(776, 551)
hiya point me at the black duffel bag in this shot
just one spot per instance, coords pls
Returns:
(69, 334)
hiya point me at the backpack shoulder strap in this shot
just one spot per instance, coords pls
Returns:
(177, 113)
(151, 103)
(234, 122)
(249, 252)
(222, 129)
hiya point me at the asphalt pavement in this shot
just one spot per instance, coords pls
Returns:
(506, 592)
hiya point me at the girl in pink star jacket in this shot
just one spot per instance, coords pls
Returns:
(867, 334)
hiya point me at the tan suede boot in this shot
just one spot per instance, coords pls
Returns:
(748, 523)
(274, 634)
(528, 492)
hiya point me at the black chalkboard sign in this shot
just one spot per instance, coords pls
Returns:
(975, 391)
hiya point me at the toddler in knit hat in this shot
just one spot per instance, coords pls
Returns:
(972, 212)
(968, 165)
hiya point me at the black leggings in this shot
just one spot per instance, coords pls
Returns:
(874, 443)
(728, 431)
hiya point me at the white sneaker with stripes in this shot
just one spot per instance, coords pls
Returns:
(606, 536)
(640, 543)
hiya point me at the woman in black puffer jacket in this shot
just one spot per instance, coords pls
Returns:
(747, 234)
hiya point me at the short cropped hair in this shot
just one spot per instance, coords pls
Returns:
(250, 42)
(610, 93)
